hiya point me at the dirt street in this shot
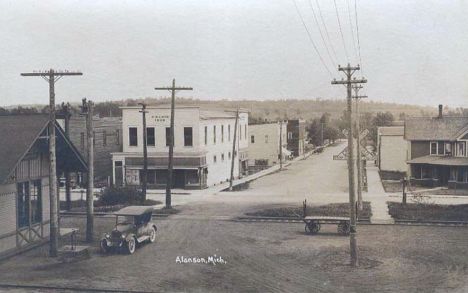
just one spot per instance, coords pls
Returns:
(261, 257)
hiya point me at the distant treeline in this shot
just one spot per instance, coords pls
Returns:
(267, 110)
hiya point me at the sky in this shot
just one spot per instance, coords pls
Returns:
(412, 51)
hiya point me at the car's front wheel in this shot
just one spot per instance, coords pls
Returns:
(131, 245)
(152, 235)
(104, 247)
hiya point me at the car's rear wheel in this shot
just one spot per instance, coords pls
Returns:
(104, 247)
(131, 245)
(152, 235)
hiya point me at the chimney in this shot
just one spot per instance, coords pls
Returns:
(441, 107)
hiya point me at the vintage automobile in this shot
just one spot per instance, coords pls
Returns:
(132, 226)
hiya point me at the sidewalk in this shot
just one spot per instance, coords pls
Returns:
(377, 197)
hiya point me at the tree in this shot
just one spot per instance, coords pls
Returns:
(380, 119)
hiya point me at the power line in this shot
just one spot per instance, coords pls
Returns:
(310, 38)
(341, 31)
(334, 62)
(351, 27)
(326, 30)
(357, 32)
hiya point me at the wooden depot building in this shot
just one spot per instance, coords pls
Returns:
(24, 179)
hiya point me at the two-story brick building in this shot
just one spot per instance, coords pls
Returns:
(24, 179)
(203, 141)
(107, 132)
(296, 136)
(437, 150)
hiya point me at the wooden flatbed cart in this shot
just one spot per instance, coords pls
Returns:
(313, 224)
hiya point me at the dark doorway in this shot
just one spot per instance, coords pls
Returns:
(118, 173)
(179, 179)
(444, 175)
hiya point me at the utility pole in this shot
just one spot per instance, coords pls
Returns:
(87, 111)
(233, 150)
(65, 111)
(172, 89)
(52, 77)
(281, 145)
(357, 121)
(145, 152)
(403, 181)
(349, 71)
(321, 139)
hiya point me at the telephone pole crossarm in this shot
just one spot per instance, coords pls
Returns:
(352, 81)
(180, 88)
(48, 73)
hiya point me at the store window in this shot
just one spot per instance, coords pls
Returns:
(133, 136)
(188, 136)
(168, 136)
(150, 136)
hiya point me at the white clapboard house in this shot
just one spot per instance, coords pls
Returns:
(24, 179)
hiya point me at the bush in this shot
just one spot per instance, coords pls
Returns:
(120, 196)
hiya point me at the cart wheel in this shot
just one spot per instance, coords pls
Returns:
(344, 228)
(312, 227)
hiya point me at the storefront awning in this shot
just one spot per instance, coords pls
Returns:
(440, 160)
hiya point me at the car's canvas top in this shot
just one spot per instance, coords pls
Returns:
(134, 210)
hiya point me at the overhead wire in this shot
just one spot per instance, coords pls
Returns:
(357, 32)
(351, 28)
(334, 62)
(326, 30)
(341, 31)
(310, 38)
